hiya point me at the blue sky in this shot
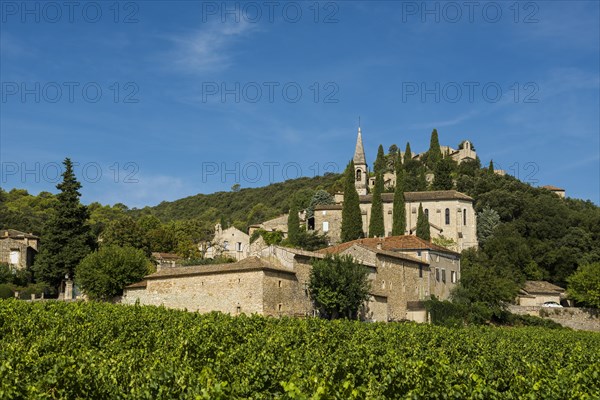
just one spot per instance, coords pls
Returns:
(161, 100)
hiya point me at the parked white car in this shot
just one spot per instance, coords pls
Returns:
(552, 304)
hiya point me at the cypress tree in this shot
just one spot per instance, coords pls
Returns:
(376, 226)
(66, 239)
(421, 180)
(423, 224)
(407, 154)
(293, 223)
(399, 211)
(491, 167)
(443, 179)
(351, 216)
(379, 165)
(434, 154)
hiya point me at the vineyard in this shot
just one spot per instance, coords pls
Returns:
(93, 350)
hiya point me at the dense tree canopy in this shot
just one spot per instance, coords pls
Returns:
(338, 286)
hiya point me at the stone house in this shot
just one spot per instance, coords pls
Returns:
(276, 224)
(230, 242)
(166, 260)
(536, 293)
(18, 249)
(451, 213)
(556, 190)
(274, 281)
(451, 216)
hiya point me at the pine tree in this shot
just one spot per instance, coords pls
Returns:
(442, 179)
(351, 216)
(66, 239)
(434, 154)
(407, 154)
(293, 224)
(423, 224)
(399, 211)
(376, 227)
(379, 165)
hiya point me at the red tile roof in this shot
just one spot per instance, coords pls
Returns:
(390, 243)
(553, 188)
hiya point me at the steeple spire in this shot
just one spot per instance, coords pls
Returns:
(359, 152)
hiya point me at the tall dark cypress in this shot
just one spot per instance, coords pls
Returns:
(434, 154)
(443, 179)
(399, 210)
(293, 224)
(423, 224)
(407, 154)
(351, 216)
(66, 238)
(379, 165)
(491, 167)
(376, 226)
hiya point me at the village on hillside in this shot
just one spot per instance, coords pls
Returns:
(410, 242)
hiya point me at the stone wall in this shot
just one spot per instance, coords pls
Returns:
(585, 319)
(232, 293)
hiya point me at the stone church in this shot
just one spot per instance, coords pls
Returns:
(451, 213)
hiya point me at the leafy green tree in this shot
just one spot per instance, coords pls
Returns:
(442, 179)
(380, 165)
(321, 197)
(351, 216)
(584, 285)
(399, 207)
(66, 239)
(407, 154)
(293, 223)
(124, 232)
(482, 282)
(423, 230)
(487, 220)
(104, 273)
(338, 286)
(376, 227)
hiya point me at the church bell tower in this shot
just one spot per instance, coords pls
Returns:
(361, 173)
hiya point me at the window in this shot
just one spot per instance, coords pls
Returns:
(383, 284)
(358, 175)
(238, 309)
(279, 307)
(453, 276)
(444, 275)
(225, 244)
(426, 211)
(447, 216)
(238, 246)
(465, 216)
(279, 283)
(15, 257)
(420, 271)
(325, 226)
(437, 274)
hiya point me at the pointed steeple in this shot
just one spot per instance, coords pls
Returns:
(359, 152)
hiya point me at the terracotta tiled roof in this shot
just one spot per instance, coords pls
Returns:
(166, 256)
(420, 196)
(15, 234)
(137, 285)
(542, 287)
(247, 264)
(393, 254)
(390, 243)
(553, 188)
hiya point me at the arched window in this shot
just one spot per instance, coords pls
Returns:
(447, 216)
(426, 211)
(465, 216)
(358, 175)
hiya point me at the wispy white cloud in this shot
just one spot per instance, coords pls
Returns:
(207, 49)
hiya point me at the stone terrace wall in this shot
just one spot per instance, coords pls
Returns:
(584, 319)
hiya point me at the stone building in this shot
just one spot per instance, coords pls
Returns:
(230, 242)
(18, 249)
(274, 281)
(276, 224)
(556, 190)
(451, 213)
(451, 216)
(536, 293)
